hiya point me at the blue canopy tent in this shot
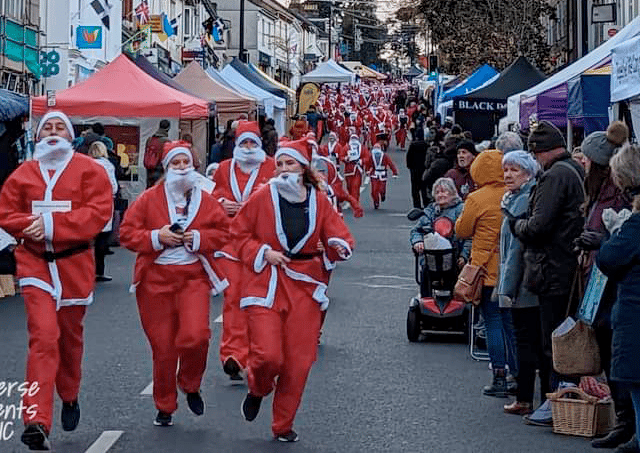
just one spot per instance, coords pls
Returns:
(588, 103)
(475, 80)
(12, 105)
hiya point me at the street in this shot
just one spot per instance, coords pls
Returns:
(370, 390)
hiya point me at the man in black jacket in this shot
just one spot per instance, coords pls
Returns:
(415, 163)
(554, 220)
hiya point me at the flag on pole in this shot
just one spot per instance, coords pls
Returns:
(169, 27)
(142, 12)
(102, 9)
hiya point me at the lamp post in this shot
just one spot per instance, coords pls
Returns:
(241, 51)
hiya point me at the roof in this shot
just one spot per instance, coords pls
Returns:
(195, 79)
(474, 81)
(123, 90)
(518, 76)
(329, 72)
(257, 80)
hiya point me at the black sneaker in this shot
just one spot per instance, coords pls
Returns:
(629, 447)
(291, 436)
(232, 368)
(70, 415)
(36, 438)
(251, 407)
(196, 403)
(163, 419)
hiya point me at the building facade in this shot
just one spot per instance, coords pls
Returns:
(20, 41)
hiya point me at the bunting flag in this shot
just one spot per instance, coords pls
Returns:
(102, 9)
(142, 12)
(169, 27)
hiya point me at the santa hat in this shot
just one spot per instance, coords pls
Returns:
(55, 114)
(248, 130)
(322, 164)
(172, 149)
(298, 149)
(377, 145)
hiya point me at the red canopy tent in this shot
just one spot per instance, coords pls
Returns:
(121, 89)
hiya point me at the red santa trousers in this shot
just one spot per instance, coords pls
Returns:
(401, 137)
(55, 352)
(353, 185)
(283, 344)
(378, 191)
(173, 302)
(234, 342)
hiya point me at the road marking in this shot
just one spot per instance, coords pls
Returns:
(148, 390)
(396, 214)
(390, 276)
(405, 287)
(218, 319)
(104, 442)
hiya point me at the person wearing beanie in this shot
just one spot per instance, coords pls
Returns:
(354, 155)
(466, 154)
(174, 228)
(552, 222)
(68, 207)
(376, 167)
(602, 193)
(288, 235)
(236, 179)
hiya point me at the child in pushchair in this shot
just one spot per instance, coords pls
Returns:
(439, 256)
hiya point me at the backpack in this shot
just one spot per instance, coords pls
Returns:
(153, 152)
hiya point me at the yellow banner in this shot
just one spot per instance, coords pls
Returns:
(309, 94)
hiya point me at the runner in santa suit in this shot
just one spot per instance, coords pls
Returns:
(402, 126)
(278, 231)
(236, 179)
(174, 227)
(333, 186)
(55, 205)
(377, 167)
(353, 156)
(332, 149)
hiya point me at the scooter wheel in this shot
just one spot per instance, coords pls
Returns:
(413, 325)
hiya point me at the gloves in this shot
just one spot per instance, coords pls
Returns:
(589, 240)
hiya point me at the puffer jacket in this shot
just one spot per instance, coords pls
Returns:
(554, 220)
(619, 259)
(431, 214)
(511, 291)
(481, 218)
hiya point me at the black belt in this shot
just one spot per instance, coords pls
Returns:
(301, 256)
(50, 257)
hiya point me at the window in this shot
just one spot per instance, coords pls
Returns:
(187, 22)
(172, 10)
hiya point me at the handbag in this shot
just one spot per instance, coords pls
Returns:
(469, 284)
(574, 345)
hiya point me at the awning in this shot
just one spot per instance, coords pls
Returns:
(12, 105)
(329, 72)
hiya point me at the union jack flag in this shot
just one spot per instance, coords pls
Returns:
(142, 12)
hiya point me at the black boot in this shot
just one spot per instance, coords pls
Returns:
(629, 447)
(498, 387)
(620, 434)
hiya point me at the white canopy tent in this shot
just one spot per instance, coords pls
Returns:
(593, 58)
(329, 72)
(274, 106)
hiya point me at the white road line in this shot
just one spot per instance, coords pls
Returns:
(218, 319)
(104, 442)
(405, 287)
(396, 214)
(148, 390)
(390, 276)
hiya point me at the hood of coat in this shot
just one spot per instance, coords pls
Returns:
(487, 169)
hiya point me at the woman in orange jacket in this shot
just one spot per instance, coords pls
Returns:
(481, 220)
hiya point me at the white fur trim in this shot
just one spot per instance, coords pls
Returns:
(271, 293)
(260, 262)
(155, 240)
(221, 254)
(248, 135)
(55, 114)
(47, 219)
(196, 242)
(293, 153)
(342, 242)
(174, 152)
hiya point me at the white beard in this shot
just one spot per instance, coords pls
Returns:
(290, 187)
(249, 158)
(52, 151)
(179, 182)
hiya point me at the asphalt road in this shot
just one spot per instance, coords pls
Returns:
(370, 390)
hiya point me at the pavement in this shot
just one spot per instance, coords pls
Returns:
(370, 390)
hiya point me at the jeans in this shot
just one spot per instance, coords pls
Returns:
(500, 339)
(635, 397)
(526, 324)
(418, 190)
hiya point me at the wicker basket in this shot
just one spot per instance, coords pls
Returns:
(584, 415)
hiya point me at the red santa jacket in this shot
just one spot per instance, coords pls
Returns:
(79, 206)
(153, 210)
(354, 161)
(258, 227)
(234, 184)
(377, 165)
